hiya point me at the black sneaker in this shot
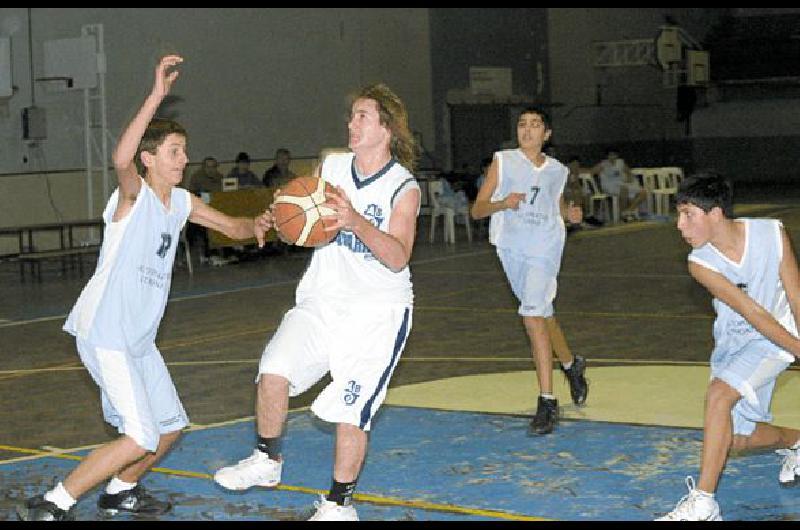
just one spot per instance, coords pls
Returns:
(136, 501)
(38, 509)
(578, 387)
(546, 416)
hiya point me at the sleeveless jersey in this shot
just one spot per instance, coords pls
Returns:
(122, 304)
(345, 269)
(536, 228)
(758, 274)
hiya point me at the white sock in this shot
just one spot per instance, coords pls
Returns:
(116, 485)
(548, 396)
(567, 366)
(60, 497)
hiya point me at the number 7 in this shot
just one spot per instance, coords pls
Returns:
(535, 192)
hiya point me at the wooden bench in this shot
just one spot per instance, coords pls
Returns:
(35, 259)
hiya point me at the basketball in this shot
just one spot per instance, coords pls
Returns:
(298, 211)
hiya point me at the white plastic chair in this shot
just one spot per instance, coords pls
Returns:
(647, 177)
(666, 189)
(449, 214)
(609, 203)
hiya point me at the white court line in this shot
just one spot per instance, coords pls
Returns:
(5, 323)
(191, 427)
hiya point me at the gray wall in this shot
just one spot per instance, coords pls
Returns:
(253, 79)
(513, 38)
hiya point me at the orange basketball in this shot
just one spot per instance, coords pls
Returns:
(298, 211)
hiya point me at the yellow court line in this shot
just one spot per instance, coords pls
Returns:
(363, 497)
(600, 314)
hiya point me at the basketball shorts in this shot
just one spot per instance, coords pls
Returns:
(359, 345)
(753, 375)
(533, 281)
(137, 393)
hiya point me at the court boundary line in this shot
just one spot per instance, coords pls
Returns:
(362, 497)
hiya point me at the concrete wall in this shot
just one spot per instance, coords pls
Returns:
(253, 80)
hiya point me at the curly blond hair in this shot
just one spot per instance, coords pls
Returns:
(393, 115)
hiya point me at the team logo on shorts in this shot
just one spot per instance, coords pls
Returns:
(351, 393)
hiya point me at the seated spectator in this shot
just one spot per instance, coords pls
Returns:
(616, 179)
(574, 193)
(451, 199)
(279, 173)
(207, 178)
(245, 177)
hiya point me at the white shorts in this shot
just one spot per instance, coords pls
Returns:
(138, 395)
(359, 345)
(753, 375)
(533, 282)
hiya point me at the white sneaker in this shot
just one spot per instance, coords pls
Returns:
(696, 506)
(790, 469)
(256, 470)
(330, 511)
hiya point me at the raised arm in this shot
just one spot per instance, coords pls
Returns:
(125, 153)
(725, 291)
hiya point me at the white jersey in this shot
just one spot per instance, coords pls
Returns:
(345, 269)
(536, 229)
(758, 274)
(122, 304)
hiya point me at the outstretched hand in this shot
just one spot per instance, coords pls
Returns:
(163, 79)
(261, 225)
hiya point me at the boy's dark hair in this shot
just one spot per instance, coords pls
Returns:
(157, 131)
(242, 157)
(707, 190)
(533, 109)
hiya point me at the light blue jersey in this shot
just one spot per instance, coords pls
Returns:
(122, 304)
(536, 228)
(758, 274)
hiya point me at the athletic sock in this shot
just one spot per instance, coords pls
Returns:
(567, 366)
(341, 492)
(270, 447)
(60, 497)
(548, 396)
(116, 486)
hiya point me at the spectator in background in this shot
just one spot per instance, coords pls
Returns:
(243, 174)
(616, 179)
(573, 192)
(450, 198)
(279, 173)
(207, 178)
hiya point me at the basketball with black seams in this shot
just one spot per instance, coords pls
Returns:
(298, 212)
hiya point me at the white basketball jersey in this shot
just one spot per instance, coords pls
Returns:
(758, 275)
(536, 228)
(345, 269)
(122, 304)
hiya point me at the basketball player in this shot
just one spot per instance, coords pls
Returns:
(750, 269)
(116, 317)
(353, 305)
(523, 195)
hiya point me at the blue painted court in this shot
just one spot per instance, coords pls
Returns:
(428, 464)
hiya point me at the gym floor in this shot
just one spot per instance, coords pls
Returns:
(450, 442)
